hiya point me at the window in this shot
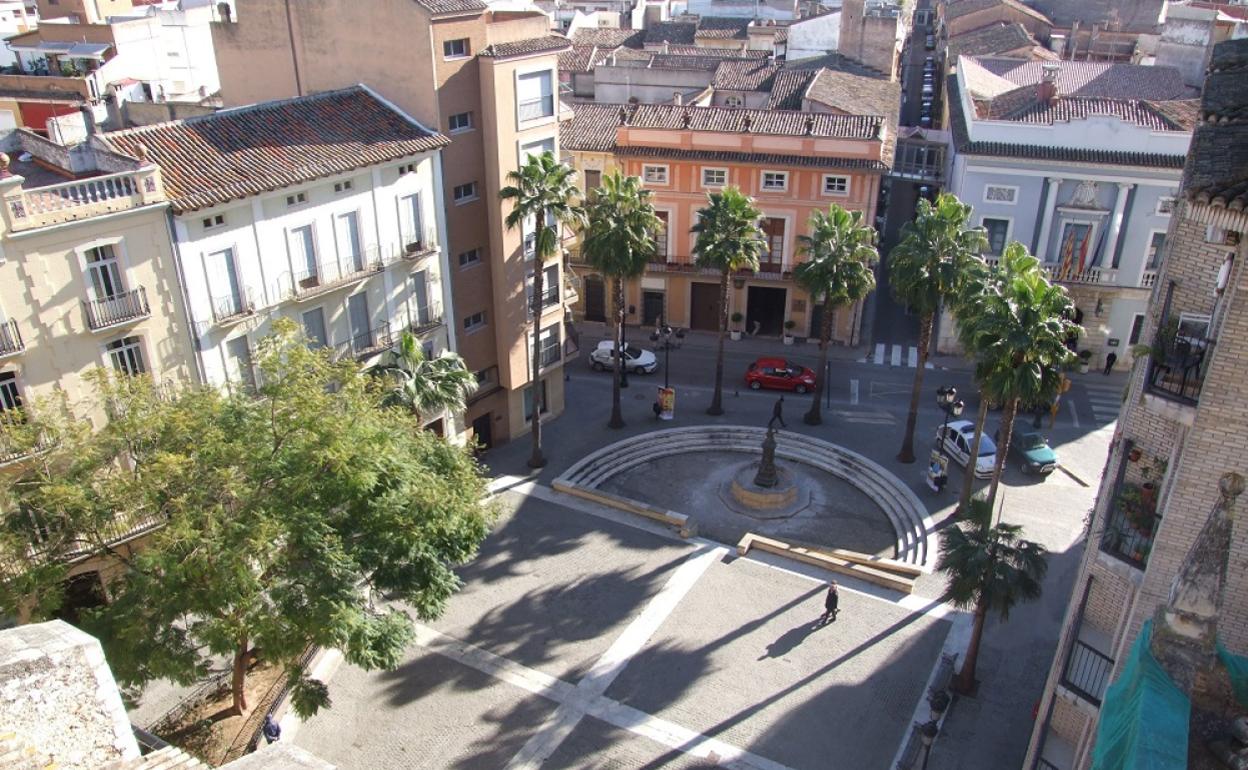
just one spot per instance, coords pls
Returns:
(460, 121)
(214, 221)
(127, 356)
(407, 168)
(537, 148)
(10, 396)
(593, 179)
(775, 180)
(409, 221)
(714, 177)
(1155, 245)
(227, 295)
(732, 100)
(530, 234)
(455, 49)
(296, 199)
(550, 287)
(104, 273)
(347, 231)
(343, 186)
(998, 232)
(528, 401)
(463, 193)
(314, 328)
(654, 174)
(358, 316)
(238, 369)
(773, 234)
(835, 185)
(420, 292)
(469, 257)
(474, 321)
(535, 96)
(1165, 205)
(996, 193)
(303, 256)
(660, 236)
(1137, 327)
(548, 345)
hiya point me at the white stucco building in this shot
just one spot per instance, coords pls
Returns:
(324, 209)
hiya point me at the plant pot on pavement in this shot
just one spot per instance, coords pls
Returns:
(788, 339)
(788, 331)
(735, 334)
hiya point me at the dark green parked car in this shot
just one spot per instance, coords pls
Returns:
(1033, 453)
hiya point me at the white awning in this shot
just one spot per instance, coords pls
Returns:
(42, 46)
(89, 50)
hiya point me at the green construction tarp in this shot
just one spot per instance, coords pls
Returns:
(1144, 716)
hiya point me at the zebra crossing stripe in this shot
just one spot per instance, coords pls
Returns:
(879, 353)
(913, 360)
(896, 358)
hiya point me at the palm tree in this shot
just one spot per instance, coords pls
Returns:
(840, 258)
(1017, 329)
(618, 243)
(728, 240)
(542, 192)
(926, 268)
(990, 568)
(426, 386)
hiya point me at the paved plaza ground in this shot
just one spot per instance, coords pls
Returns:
(579, 641)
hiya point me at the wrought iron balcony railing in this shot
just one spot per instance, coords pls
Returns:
(1087, 672)
(118, 309)
(233, 307)
(367, 343)
(11, 338)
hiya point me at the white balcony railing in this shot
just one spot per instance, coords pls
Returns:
(42, 206)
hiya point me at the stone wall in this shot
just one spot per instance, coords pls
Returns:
(58, 695)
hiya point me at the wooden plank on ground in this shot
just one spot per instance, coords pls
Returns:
(825, 560)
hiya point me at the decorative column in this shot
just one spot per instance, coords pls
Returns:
(1115, 226)
(1046, 221)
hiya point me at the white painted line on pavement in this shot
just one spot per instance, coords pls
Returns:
(546, 741)
(853, 391)
(879, 353)
(895, 359)
(1074, 413)
(913, 358)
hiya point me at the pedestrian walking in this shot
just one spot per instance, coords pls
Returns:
(272, 730)
(829, 605)
(777, 415)
(1110, 360)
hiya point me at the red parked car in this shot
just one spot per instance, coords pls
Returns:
(779, 374)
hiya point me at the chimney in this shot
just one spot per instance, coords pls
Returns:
(677, 99)
(1046, 89)
(88, 119)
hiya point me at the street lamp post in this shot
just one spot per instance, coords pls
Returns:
(664, 333)
(947, 400)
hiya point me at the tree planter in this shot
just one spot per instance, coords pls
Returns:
(788, 339)
(735, 334)
(1083, 367)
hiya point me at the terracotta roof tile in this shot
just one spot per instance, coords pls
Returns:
(609, 38)
(681, 32)
(745, 75)
(246, 151)
(960, 8)
(856, 94)
(579, 58)
(1088, 78)
(591, 128)
(438, 7)
(723, 28)
(1217, 166)
(811, 161)
(992, 39)
(773, 122)
(788, 88)
(536, 45)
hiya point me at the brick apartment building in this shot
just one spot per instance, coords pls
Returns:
(488, 80)
(1183, 426)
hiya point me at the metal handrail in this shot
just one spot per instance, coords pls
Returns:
(110, 311)
(1087, 672)
(232, 306)
(11, 338)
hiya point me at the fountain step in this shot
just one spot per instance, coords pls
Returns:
(905, 513)
(681, 522)
(827, 560)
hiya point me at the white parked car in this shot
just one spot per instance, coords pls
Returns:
(955, 440)
(636, 360)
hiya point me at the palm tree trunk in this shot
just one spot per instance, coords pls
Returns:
(964, 684)
(815, 415)
(238, 677)
(1003, 446)
(536, 458)
(968, 478)
(617, 417)
(906, 455)
(717, 401)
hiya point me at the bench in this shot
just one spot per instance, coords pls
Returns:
(683, 525)
(864, 567)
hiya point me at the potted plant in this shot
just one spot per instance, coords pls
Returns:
(788, 331)
(1151, 473)
(1085, 361)
(1135, 454)
(938, 701)
(737, 318)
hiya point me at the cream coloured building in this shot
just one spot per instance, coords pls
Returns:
(87, 275)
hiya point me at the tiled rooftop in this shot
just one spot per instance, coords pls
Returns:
(1217, 168)
(681, 32)
(960, 8)
(788, 88)
(536, 45)
(592, 128)
(1088, 78)
(744, 75)
(855, 94)
(1022, 106)
(609, 38)
(994, 39)
(762, 158)
(241, 152)
(578, 58)
(439, 7)
(723, 28)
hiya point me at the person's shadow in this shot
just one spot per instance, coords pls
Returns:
(789, 640)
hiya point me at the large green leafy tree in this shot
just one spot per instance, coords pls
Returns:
(426, 386)
(839, 268)
(927, 268)
(728, 239)
(542, 195)
(1016, 326)
(990, 568)
(277, 518)
(618, 242)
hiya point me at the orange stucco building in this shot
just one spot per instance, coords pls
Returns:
(792, 163)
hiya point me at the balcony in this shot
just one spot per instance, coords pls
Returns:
(550, 355)
(487, 385)
(19, 439)
(535, 109)
(1179, 361)
(367, 343)
(72, 201)
(420, 242)
(1087, 672)
(1148, 279)
(126, 307)
(11, 342)
(431, 318)
(328, 277)
(1130, 525)
(233, 308)
(1107, 276)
